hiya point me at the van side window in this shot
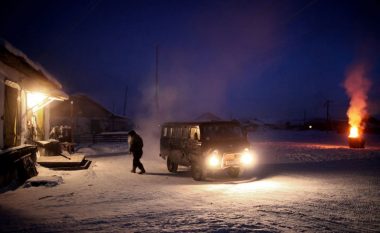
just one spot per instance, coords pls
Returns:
(194, 133)
(165, 132)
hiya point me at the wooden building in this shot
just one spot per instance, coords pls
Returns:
(26, 90)
(87, 118)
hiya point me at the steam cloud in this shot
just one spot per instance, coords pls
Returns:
(357, 87)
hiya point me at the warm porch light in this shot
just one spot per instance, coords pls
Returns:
(38, 100)
(33, 99)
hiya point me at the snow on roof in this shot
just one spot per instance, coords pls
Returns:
(88, 99)
(208, 116)
(5, 45)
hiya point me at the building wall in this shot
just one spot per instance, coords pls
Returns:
(23, 116)
(47, 122)
(2, 99)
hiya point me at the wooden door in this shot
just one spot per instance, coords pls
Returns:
(11, 118)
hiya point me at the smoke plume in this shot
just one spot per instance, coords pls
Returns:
(357, 86)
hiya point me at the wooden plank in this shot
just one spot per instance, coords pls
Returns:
(60, 161)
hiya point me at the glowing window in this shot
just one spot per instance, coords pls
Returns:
(194, 133)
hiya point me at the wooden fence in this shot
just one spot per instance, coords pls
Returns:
(102, 137)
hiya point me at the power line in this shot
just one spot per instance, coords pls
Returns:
(309, 4)
(156, 83)
(125, 101)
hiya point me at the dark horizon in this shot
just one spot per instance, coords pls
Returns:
(263, 59)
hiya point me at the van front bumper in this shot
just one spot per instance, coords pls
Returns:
(245, 159)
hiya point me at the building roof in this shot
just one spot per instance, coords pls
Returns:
(192, 123)
(83, 106)
(35, 77)
(208, 116)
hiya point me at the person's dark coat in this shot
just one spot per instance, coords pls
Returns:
(135, 147)
(136, 144)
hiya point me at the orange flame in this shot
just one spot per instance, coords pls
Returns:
(357, 86)
(354, 132)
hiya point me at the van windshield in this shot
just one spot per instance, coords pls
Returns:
(217, 132)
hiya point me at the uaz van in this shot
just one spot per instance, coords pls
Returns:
(205, 147)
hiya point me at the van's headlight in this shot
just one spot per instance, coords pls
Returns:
(247, 157)
(214, 159)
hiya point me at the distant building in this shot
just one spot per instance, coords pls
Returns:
(251, 124)
(87, 117)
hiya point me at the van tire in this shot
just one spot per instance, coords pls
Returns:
(172, 166)
(197, 172)
(233, 172)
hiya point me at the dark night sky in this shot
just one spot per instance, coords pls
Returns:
(264, 59)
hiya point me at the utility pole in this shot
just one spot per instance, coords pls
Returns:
(327, 105)
(72, 120)
(125, 101)
(156, 82)
(304, 117)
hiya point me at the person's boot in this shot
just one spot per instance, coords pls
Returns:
(133, 171)
(142, 172)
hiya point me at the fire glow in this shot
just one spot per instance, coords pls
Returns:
(357, 87)
(354, 132)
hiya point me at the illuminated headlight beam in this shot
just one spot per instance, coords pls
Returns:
(247, 158)
(214, 160)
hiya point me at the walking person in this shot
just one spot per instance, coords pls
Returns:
(135, 147)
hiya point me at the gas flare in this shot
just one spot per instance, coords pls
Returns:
(357, 86)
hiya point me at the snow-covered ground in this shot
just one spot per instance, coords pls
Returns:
(299, 185)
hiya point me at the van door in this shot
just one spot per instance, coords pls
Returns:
(194, 144)
(185, 158)
(165, 142)
(176, 145)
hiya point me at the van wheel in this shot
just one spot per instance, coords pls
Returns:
(233, 172)
(172, 166)
(197, 172)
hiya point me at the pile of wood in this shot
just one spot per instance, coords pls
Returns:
(17, 164)
(60, 156)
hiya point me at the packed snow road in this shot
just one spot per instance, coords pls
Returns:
(309, 194)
